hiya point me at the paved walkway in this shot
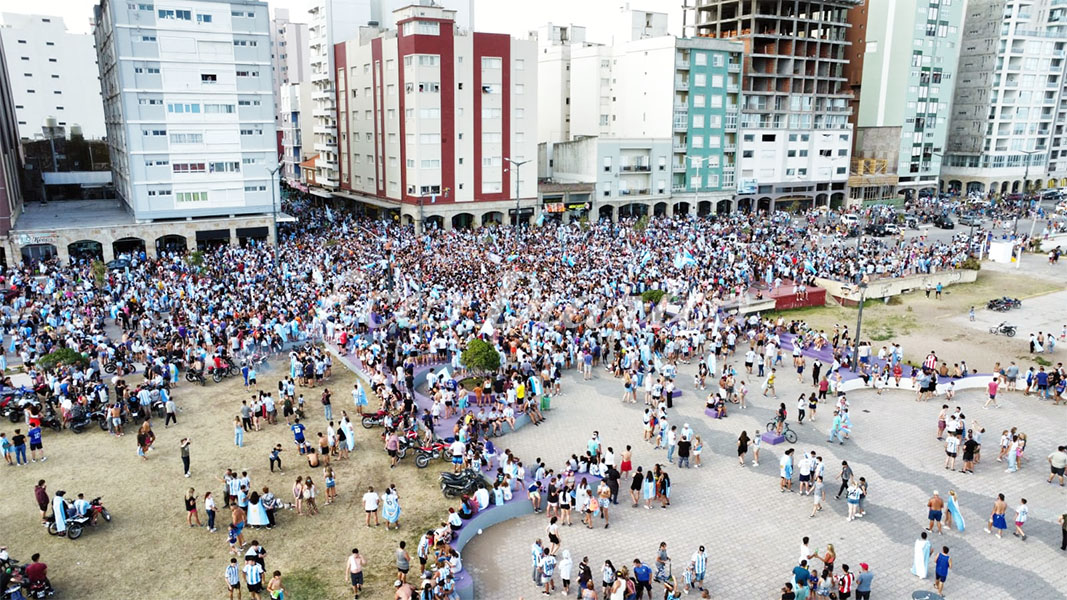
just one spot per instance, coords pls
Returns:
(752, 532)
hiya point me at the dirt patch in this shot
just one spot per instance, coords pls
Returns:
(149, 541)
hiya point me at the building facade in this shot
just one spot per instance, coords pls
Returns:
(296, 128)
(902, 72)
(658, 87)
(554, 43)
(429, 115)
(1008, 98)
(795, 136)
(189, 107)
(290, 55)
(10, 156)
(53, 74)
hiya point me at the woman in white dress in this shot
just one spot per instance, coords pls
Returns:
(921, 557)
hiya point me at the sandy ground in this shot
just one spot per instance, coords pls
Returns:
(922, 324)
(148, 551)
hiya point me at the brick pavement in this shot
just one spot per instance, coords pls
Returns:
(752, 532)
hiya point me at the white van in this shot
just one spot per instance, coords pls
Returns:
(849, 219)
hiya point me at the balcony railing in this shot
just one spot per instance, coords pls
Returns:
(734, 67)
(682, 64)
(678, 168)
(636, 168)
(679, 148)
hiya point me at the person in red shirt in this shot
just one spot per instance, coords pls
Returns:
(845, 583)
(37, 570)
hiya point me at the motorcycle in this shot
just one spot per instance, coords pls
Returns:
(372, 421)
(76, 524)
(1008, 330)
(195, 377)
(459, 484)
(425, 454)
(1003, 304)
(226, 370)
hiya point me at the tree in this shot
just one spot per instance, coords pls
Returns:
(99, 272)
(480, 357)
(61, 356)
(652, 296)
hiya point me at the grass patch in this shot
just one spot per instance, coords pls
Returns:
(1039, 360)
(304, 584)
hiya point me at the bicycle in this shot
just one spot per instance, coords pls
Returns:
(789, 434)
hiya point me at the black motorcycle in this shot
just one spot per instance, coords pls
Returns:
(1008, 330)
(459, 484)
(218, 374)
(195, 377)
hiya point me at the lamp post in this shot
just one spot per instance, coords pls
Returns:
(518, 193)
(274, 210)
(1026, 188)
(859, 324)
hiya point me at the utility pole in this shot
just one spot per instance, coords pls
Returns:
(859, 324)
(274, 211)
(518, 194)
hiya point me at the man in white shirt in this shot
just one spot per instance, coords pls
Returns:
(457, 449)
(370, 505)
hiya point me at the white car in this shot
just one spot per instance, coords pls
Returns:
(850, 219)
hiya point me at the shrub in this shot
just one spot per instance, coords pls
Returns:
(653, 296)
(971, 263)
(61, 356)
(99, 272)
(480, 357)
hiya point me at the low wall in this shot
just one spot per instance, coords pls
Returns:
(884, 288)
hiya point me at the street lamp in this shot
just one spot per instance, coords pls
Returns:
(274, 209)
(859, 324)
(1026, 188)
(518, 193)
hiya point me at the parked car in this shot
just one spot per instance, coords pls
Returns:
(875, 229)
(892, 229)
(944, 222)
(970, 219)
(850, 219)
(118, 264)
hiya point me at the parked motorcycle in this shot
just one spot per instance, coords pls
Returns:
(372, 421)
(1003, 304)
(195, 377)
(1008, 330)
(76, 524)
(425, 454)
(459, 484)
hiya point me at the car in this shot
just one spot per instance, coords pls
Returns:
(944, 222)
(118, 264)
(971, 220)
(892, 229)
(850, 219)
(875, 229)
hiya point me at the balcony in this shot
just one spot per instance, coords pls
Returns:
(729, 148)
(732, 88)
(733, 68)
(681, 64)
(731, 125)
(678, 168)
(681, 85)
(678, 148)
(678, 188)
(681, 124)
(635, 168)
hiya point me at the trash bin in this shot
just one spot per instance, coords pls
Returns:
(546, 402)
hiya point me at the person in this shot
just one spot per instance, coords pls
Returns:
(190, 509)
(274, 587)
(391, 508)
(370, 505)
(354, 570)
(232, 577)
(920, 565)
(548, 568)
(40, 493)
(742, 447)
(253, 573)
(59, 512)
(643, 579)
(845, 583)
(996, 519)
(209, 509)
(37, 571)
(953, 514)
(941, 566)
(36, 443)
(1022, 513)
(934, 505)
(183, 446)
(1062, 520)
(1057, 463)
(699, 562)
(403, 561)
(863, 582)
(786, 474)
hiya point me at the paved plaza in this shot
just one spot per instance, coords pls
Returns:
(752, 532)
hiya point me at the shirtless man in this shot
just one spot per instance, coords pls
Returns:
(997, 520)
(354, 570)
(403, 590)
(936, 505)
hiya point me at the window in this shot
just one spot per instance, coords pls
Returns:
(203, 18)
(700, 80)
(208, 78)
(698, 121)
(156, 163)
(154, 132)
(489, 62)
(224, 167)
(187, 138)
(215, 109)
(245, 43)
(248, 73)
(181, 15)
(191, 197)
(431, 138)
(251, 132)
(429, 113)
(520, 64)
(255, 188)
(148, 38)
(150, 101)
(54, 76)
(178, 108)
(248, 103)
(698, 141)
(431, 164)
(716, 81)
(252, 161)
(189, 167)
(148, 7)
(490, 113)
(699, 100)
(520, 89)
(700, 59)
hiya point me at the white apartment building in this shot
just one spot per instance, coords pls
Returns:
(296, 128)
(554, 44)
(189, 108)
(429, 115)
(290, 55)
(331, 21)
(1007, 129)
(53, 74)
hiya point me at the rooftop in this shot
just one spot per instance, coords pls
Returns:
(65, 214)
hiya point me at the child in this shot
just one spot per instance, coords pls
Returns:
(232, 540)
(233, 578)
(274, 587)
(950, 390)
(687, 576)
(331, 482)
